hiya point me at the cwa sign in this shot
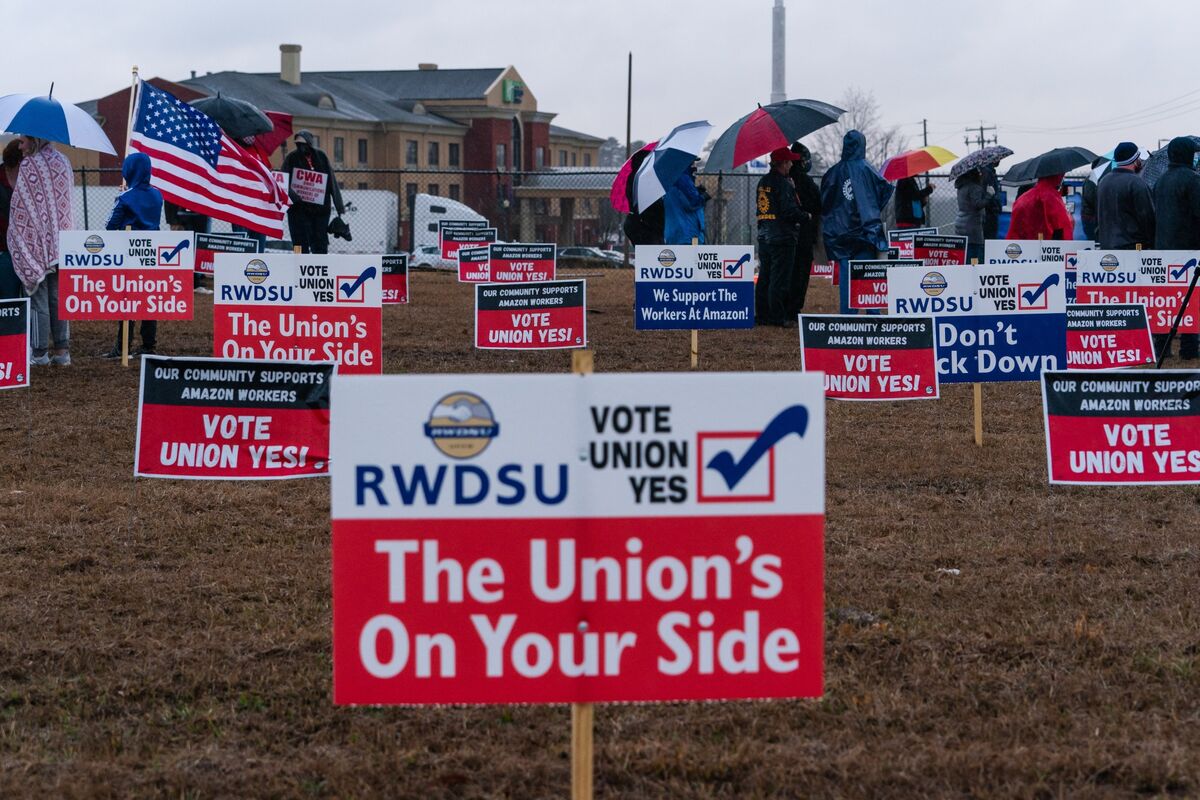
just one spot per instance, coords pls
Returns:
(645, 542)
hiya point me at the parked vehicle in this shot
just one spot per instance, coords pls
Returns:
(430, 255)
(584, 256)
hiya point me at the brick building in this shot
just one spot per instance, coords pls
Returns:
(467, 134)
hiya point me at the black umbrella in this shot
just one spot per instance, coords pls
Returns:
(1058, 161)
(1156, 165)
(237, 118)
(768, 128)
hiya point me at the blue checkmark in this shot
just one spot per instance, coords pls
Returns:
(169, 256)
(1032, 297)
(1179, 273)
(791, 420)
(350, 288)
(732, 269)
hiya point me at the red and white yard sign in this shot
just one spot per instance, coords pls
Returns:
(117, 275)
(533, 316)
(645, 538)
(14, 343)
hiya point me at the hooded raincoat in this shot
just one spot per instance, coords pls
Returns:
(1041, 211)
(683, 208)
(853, 195)
(140, 206)
(1177, 200)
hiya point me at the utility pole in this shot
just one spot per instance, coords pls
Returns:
(925, 132)
(628, 105)
(982, 139)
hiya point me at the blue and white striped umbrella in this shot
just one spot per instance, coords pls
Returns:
(46, 118)
(670, 158)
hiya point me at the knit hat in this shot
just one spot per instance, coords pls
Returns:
(1125, 154)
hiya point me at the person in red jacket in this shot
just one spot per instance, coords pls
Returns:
(1041, 210)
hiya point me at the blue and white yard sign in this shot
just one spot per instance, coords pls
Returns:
(693, 286)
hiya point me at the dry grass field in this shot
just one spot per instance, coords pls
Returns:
(172, 638)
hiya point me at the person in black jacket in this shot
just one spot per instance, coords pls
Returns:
(779, 217)
(809, 196)
(309, 221)
(910, 203)
(1177, 224)
(1124, 206)
(642, 227)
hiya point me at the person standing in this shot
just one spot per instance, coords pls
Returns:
(1124, 205)
(853, 195)
(41, 208)
(1177, 221)
(642, 226)
(308, 219)
(10, 284)
(138, 208)
(910, 203)
(991, 214)
(809, 196)
(973, 200)
(779, 219)
(1040, 212)
(683, 209)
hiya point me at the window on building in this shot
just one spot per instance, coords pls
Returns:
(455, 192)
(339, 149)
(501, 156)
(410, 191)
(587, 159)
(316, 141)
(562, 158)
(452, 156)
(434, 189)
(410, 152)
(539, 158)
(574, 159)
(363, 185)
(435, 154)
(362, 151)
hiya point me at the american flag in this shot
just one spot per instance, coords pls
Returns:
(196, 166)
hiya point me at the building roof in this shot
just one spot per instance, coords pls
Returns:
(334, 96)
(567, 133)
(599, 181)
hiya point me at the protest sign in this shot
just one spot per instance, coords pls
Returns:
(996, 322)
(309, 185)
(209, 244)
(14, 343)
(519, 262)
(461, 225)
(121, 275)
(657, 537)
(293, 307)
(871, 358)
(1106, 337)
(395, 279)
(1158, 279)
(1134, 427)
(934, 250)
(823, 269)
(218, 419)
(474, 265)
(532, 316)
(696, 287)
(454, 238)
(897, 235)
(868, 282)
(1032, 251)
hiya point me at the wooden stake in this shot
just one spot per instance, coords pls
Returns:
(583, 715)
(125, 323)
(582, 720)
(978, 394)
(695, 333)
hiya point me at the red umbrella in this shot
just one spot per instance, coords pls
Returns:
(915, 162)
(768, 128)
(618, 197)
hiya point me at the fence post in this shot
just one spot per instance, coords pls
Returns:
(83, 171)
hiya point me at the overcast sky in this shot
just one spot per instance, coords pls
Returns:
(1048, 73)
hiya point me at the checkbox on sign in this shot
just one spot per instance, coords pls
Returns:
(751, 482)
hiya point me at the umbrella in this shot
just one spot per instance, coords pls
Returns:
(236, 117)
(768, 128)
(1058, 161)
(46, 118)
(1156, 165)
(914, 162)
(987, 157)
(617, 196)
(673, 154)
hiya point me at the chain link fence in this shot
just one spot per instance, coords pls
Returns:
(568, 207)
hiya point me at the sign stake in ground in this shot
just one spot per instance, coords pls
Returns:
(695, 332)
(583, 715)
(977, 394)
(125, 320)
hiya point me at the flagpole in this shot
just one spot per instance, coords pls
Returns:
(134, 92)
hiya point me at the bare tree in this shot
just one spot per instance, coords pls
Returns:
(862, 114)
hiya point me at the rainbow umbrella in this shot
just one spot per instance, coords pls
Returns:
(915, 162)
